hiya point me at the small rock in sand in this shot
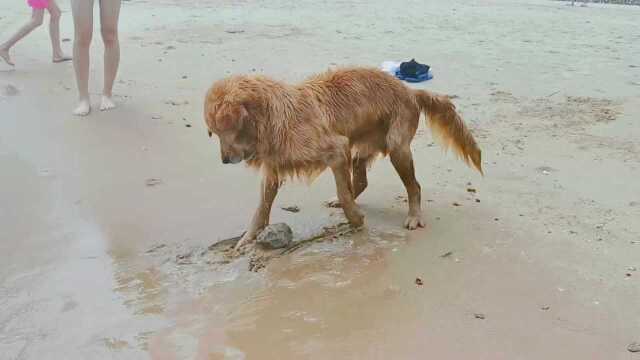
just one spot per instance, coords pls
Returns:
(545, 170)
(545, 307)
(419, 282)
(153, 182)
(471, 190)
(275, 236)
(456, 204)
(479, 316)
(634, 347)
(293, 208)
(66, 40)
(184, 259)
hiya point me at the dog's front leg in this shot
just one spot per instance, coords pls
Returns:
(340, 164)
(260, 219)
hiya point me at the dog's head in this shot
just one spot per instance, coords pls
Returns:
(226, 115)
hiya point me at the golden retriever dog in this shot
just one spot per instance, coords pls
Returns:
(341, 119)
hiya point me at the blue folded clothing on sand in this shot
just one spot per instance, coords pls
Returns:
(414, 79)
(413, 71)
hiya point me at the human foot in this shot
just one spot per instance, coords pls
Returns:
(107, 103)
(58, 58)
(83, 108)
(4, 54)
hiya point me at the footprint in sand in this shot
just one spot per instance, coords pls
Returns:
(9, 90)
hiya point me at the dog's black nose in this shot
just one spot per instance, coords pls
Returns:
(225, 160)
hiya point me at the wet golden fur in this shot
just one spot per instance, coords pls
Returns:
(349, 115)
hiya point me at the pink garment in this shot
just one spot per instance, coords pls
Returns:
(38, 4)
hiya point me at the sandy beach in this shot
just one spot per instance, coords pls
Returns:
(106, 221)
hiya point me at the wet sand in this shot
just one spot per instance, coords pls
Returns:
(92, 258)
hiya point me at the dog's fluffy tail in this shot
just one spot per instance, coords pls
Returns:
(446, 124)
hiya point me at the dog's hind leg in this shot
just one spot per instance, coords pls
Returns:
(260, 219)
(402, 161)
(359, 175)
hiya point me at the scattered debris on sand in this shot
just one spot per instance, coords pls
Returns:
(223, 252)
(447, 254)
(156, 248)
(176, 102)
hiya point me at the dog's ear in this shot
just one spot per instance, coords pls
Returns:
(209, 113)
(231, 116)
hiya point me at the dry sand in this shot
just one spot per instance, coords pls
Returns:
(100, 261)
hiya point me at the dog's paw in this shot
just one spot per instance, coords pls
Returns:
(333, 203)
(414, 222)
(246, 239)
(356, 219)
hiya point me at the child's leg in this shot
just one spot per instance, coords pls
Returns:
(54, 32)
(36, 20)
(109, 14)
(83, 23)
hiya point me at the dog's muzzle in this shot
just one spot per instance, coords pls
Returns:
(231, 159)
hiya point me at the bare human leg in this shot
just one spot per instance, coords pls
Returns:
(260, 219)
(109, 14)
(54, 32)
(83, 23)
(36, 20)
